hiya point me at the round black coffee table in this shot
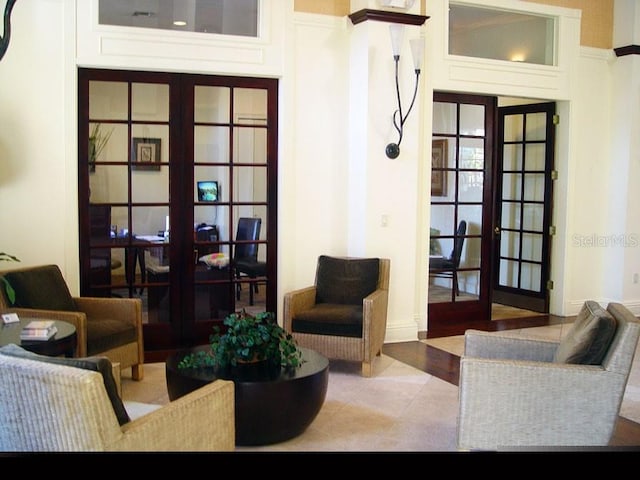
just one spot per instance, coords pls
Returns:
(62, 343)
(271, 404)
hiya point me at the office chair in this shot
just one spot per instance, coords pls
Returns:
(245, 258)
(448, 267)
(101, 261)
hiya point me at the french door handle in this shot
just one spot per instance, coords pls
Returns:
(496, 230)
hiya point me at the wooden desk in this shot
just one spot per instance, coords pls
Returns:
(136, 257)
(64, 342)
(212, 301)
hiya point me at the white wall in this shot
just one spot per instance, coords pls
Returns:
(38, 180)
(624, 266)
(320, 157)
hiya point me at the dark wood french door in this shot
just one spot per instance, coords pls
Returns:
(524, 188)
(461, 211)
(168, 164)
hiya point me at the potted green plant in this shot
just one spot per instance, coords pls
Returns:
(11, 293)
(247, 338)
(97, 141)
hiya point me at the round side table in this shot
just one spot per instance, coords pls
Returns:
(64, 342)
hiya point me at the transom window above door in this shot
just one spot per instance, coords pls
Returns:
(495, 33)
(226, 17)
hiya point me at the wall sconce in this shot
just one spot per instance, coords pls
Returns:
(5, 34)
(417, 49)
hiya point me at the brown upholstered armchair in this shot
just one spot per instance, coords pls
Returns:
(111, 327)
(344, 314)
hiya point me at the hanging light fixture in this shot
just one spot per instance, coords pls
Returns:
(417, 49)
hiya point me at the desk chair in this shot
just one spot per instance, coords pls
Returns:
(245, 258)
(101, 261)
(448, 267)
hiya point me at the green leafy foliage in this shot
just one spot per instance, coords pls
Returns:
(11, 293)
(247, 339)
(98, 139)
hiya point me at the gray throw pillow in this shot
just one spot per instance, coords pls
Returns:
(589, 338)
(42, 288)
(101, 365)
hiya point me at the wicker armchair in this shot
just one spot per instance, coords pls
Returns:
(52, 407)
(344, 315)
(515, 393)
(106, 326)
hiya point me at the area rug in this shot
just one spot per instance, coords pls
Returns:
(399, 409)
(630, 407)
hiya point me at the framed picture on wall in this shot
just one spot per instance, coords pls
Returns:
(145, 154)
(438, 163)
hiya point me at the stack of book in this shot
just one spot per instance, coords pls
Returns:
(38, 330)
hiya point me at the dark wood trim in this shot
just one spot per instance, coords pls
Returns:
(446, 317)
(181, 329)
(385, 16)
(627, 50)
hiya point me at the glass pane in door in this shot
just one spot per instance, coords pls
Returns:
(458, 156)
(523, 205)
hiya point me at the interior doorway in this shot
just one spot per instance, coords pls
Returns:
(492, 173)
(461, 210)
(169, 165)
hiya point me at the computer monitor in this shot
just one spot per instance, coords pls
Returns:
(208, 191)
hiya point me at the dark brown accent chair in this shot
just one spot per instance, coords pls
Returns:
(106, 326)
(344, 314)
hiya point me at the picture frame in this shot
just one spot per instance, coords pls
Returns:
(438, 163)
(145, 154)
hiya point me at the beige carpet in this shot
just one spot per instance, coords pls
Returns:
(631, 401)
(399, 409)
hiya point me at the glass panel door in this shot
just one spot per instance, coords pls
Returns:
(176, 166)
(460, 205)
(524, 205)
